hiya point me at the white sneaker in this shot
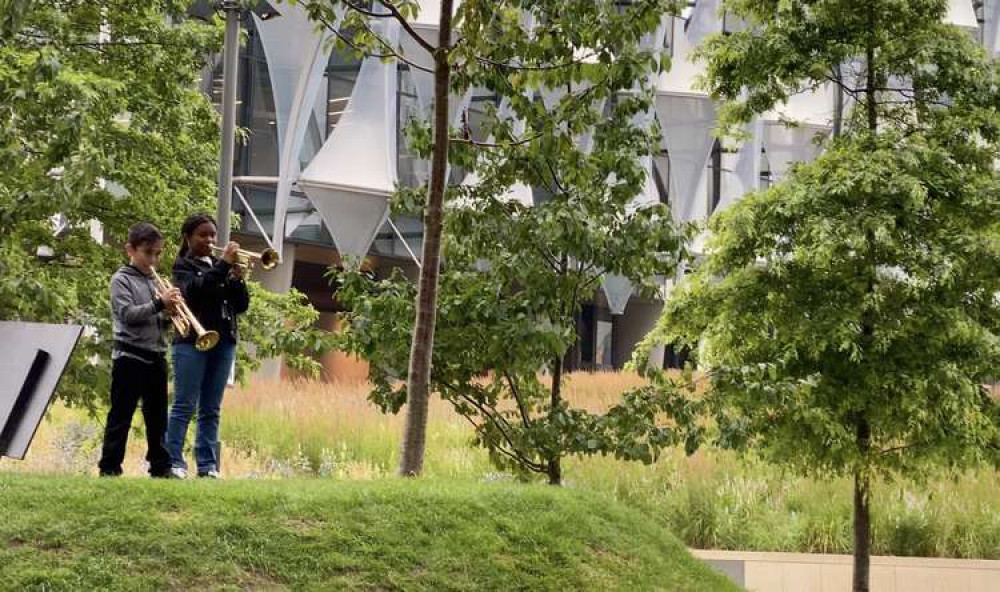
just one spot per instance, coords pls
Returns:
(213, 474)
(178, 473)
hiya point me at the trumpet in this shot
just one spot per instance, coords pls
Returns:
(268, 257)
(184, 320)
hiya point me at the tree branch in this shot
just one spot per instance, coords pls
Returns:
(409, 29)
(392, 52)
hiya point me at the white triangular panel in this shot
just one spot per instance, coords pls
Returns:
(743, 174)
(814, 107)
(296, 59)
(352, 217)
(704, 21)
(786, 145)
(289, 41)
(352, 177)
(687, 121)
(962, 13)
(618, 290)
(683, 72)
(294, 220)
(648, 194)
(518, 192)
(991, 26)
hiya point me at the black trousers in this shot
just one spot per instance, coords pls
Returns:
(133, 380)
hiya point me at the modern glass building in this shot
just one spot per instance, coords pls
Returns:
(324, 147)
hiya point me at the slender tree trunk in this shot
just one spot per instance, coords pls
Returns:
(422, 346)
(862, 516)
(862, 484)
(555, 462)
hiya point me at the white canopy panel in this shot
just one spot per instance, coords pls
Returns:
(683, 72)
(991, 26)
(518, 192)
(352, 177)
(618, 290)
(786, 145)
(743, 174)
(813, 106)
(296, 59)
(962, 14)
(705, 20)
(687, 121)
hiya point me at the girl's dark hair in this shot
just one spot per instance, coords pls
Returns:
(187, 229)
(143, 233)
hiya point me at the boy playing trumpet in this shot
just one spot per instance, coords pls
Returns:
(139, 364)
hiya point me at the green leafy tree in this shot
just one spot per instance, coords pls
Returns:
(517, 273)
(485, 43)
(101, 121)
(846, 319)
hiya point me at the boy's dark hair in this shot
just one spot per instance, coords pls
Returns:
(187, 229)
(143, 233)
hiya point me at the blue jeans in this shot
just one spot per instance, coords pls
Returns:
(199, 383)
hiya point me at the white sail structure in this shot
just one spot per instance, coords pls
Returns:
(793, 131)
(991, 26)
(963, 14)
(519, 192)
(741, 172)
(296, 59)
(354, 174)
(617, 289)
(687, 117)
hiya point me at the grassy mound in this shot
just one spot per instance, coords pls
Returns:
(137, 534)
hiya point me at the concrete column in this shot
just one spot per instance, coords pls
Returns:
(279, 281)
(631, 327)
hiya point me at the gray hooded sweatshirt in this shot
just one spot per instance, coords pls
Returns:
(137, 313)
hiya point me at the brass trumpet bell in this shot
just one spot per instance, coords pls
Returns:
(206, 341)
(268, 258)
(185, 321)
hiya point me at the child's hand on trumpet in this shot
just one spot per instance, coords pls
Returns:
(229, 253)
(170, 299)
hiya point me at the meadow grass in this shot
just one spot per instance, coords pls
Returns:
(713, 499)
(74, 533)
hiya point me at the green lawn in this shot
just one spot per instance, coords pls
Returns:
(78, 533)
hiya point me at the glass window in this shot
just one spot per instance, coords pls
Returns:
(602, 356)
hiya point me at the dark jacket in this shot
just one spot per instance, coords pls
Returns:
(213, 297)
(137, 316)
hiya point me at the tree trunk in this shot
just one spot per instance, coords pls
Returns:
(422, 347)
(862, 533)
(862, 514)
(555, 461)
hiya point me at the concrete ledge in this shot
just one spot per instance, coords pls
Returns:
(804, 572)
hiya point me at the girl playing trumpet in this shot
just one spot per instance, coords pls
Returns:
(215, 292)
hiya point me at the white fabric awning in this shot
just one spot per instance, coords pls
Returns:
(296, 60)
(687, 118)
(518, 192)
(741, 172)
(618, 290)
(687, 121)
(962, 13)
(352, 178)
(991, 26)
(786, 145)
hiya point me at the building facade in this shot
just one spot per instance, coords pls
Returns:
(325, 149)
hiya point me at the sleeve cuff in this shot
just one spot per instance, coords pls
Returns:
(157, 304)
